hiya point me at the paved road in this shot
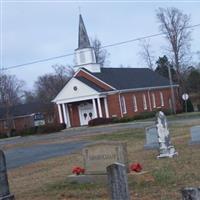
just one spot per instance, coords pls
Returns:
(26, 154)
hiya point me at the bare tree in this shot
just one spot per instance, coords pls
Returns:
(146, 53)
(11, 92)
(174, 25)
(101, 54)
(48, 85)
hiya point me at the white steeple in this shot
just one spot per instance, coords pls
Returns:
(84, 54)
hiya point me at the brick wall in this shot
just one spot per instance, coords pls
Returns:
(114, 107)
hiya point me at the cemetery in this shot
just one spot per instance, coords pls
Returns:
(127, 164)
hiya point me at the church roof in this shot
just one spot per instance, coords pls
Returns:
(83, 39)
(90, 84)
(27, 109)
(131, 78)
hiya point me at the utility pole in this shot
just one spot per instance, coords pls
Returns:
(172, 89)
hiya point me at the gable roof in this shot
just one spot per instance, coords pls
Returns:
(131, 78)
(90, 84)
(27, 109)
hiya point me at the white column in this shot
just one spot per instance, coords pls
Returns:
(64, 113)
(68, 119)
(106, 107)
(94, 108)
(99, 107)
(60, 113)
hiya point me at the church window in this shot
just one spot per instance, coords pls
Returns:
(123, 105)
(161, 99)
(144, 101)
(135, 103)
(154, 100)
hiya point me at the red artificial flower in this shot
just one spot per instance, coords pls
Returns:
(136, 167)
(78, 170)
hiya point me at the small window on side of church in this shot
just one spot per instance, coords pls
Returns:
(154, 100)
(161, 99)
(135, 108)
(123, 105)
(144, 101)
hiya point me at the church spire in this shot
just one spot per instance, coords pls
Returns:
(83, 40)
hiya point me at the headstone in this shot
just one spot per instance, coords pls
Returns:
(151, 138)
(191, 194)
(165, 147)
(99, 155)
(4, 187)
(195, 135)
(117, 182)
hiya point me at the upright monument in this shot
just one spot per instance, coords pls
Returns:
(165, 147)
(4, 187)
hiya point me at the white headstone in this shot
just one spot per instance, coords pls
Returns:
(165, 146)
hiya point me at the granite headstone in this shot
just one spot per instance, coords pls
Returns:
(99, 155)
(4, 186)
(195, 135)
(151, 138)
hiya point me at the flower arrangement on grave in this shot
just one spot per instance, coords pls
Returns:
(78, 170)
(136, 167)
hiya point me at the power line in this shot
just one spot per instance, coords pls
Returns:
(103, 47)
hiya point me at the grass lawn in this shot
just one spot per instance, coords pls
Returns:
(47, 180)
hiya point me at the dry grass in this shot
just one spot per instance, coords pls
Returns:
(47, 180)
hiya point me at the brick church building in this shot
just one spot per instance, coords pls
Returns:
(95, 92)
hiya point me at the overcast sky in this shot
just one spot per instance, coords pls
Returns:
(33, 30)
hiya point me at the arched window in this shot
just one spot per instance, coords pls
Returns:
(144, 101)
(154, 100)
(135, 103)
(161, 99)
(123, 105)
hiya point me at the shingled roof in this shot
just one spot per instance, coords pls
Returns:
(27, 109)
(90, 84)
(131, 78)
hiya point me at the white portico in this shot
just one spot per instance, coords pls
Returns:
(78, 99)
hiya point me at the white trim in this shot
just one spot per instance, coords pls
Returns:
(97, 79)
(99, 107)
(83, 98)
(136, 89)
(106, 107)
(60, 113)
(94, 108)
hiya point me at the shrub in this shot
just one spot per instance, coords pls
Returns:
(100, 121)
(48, 128)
